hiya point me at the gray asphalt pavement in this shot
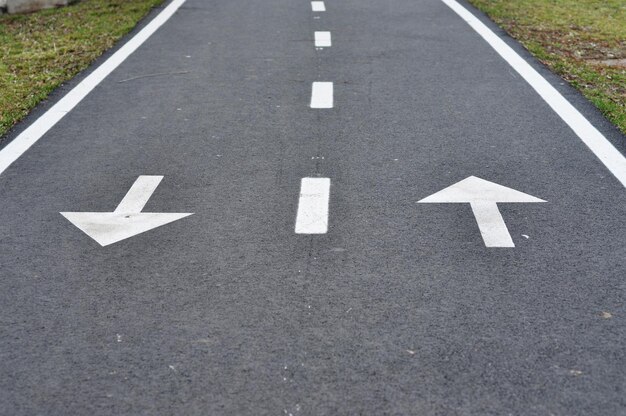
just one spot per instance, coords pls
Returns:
(399, 309)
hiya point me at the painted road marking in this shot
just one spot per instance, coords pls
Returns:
(127, 220)
(599, 145)
(322, 95)
(35, 131)
(318, 6)
(312, 217)
(483, 196)
(322, 40)
(139, 194)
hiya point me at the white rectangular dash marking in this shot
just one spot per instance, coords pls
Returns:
(312, 217)
(322, 39)
(318, 6)
(322, 95)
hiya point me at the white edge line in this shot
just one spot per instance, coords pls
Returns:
(595, 141)
(18, 146)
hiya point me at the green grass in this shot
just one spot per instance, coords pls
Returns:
(574, 38)
(41, 50)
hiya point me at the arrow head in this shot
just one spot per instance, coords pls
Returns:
(474, 189)
(110, 227)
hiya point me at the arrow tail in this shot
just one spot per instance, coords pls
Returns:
(138, 195)
(491, 224)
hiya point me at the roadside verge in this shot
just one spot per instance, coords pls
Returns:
(40, 51)
(584, 41)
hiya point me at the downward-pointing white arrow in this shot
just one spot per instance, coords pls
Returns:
(483, 196)
(127, 220)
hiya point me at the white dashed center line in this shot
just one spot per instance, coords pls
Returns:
(322, 39)
(322, 95)
(318, 6)
(312, 217)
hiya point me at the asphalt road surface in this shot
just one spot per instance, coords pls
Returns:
(322, 271)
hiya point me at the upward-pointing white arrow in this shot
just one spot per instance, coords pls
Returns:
(483, 196)
(127, 220)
